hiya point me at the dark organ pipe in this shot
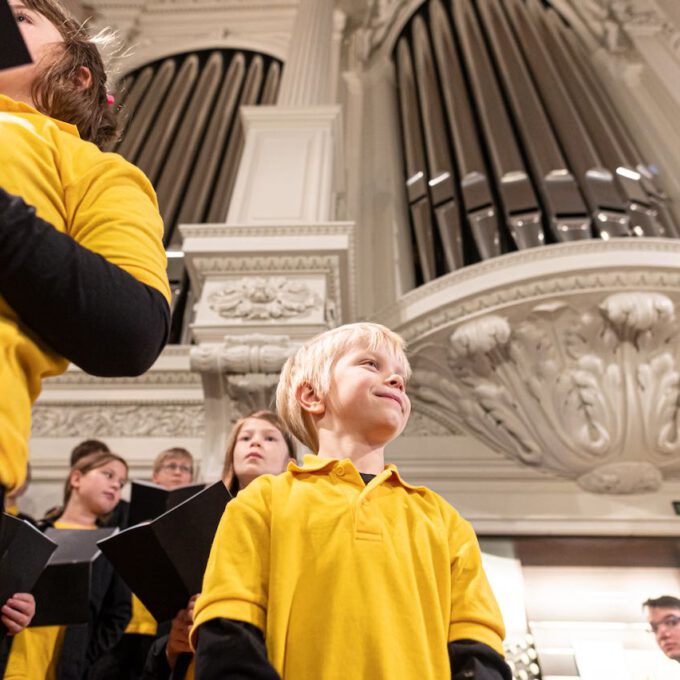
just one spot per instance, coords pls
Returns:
(502, 115)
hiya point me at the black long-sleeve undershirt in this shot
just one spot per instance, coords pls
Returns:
(83, 307)
(476, 661)
(232, 650)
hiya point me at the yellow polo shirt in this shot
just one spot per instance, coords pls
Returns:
(100, 200)
(348, 580)
(142, 621)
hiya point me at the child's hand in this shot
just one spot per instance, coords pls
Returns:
(178, 640)
(18, 612)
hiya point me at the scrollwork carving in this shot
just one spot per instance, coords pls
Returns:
(254, 353)
(590, 392)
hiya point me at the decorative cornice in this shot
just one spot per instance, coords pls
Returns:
(157, 378)
(158, 29)
(108, 419)
(530, 275)
(259, 230)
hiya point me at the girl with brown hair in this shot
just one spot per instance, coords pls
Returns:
(91, 492)
(259, 444)
(82, 262)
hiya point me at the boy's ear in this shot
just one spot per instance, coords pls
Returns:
(83, 78)
(310, 401)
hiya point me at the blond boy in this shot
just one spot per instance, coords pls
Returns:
(339, 569)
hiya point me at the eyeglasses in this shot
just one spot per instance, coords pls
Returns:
(670, 622)
(177, 467)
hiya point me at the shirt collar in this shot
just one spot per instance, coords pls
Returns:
(312, 463)
(12, 106)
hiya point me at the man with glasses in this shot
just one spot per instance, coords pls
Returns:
(663, 616)
(173, 468)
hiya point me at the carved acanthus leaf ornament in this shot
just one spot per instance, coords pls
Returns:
(588, 391)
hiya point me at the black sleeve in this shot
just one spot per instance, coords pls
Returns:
(156, 666)
(85, 308)
(111, 620)
(232, 650)
(471, 660)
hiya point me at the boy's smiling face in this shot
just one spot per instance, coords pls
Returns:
(367, 395)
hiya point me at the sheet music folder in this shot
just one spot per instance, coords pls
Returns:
(149, 500)
(62, 593)
(24, 552)
(163, 561)
(13, 50)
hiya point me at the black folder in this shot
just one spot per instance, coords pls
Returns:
(24, 552)
(163, 561)
(62, 593)
(13, 50)
(148, 500)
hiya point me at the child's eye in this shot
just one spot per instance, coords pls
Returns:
(22, 17)
(371, 362)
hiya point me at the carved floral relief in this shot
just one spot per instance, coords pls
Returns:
(588, 392)
(259, 298)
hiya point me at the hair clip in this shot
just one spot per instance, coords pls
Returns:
(110, 99)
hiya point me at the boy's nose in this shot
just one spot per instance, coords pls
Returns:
(397, 381)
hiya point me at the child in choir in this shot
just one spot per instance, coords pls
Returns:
(171, 469)
(339, 568)
(259, 444)
(82, 262)
(92, 490)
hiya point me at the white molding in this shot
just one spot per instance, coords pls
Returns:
(143, 54)
(534, 273)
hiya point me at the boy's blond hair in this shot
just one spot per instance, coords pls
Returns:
(313, 363)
